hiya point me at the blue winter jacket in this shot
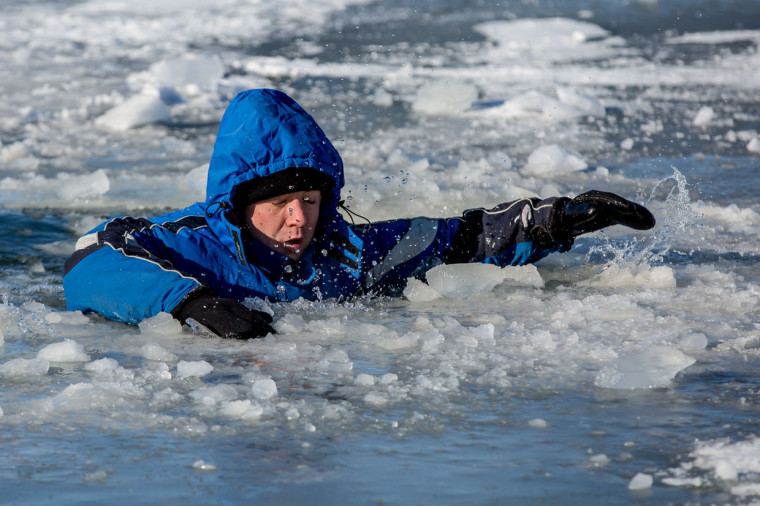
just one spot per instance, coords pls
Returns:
(129, 269)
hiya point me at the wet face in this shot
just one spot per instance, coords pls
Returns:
(285, 223)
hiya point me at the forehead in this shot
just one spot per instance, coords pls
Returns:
(299, 195)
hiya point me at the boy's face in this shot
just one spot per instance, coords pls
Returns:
(285, 223)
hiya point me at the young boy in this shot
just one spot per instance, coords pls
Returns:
(270, 228)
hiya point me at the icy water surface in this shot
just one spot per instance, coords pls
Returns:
(621, 372)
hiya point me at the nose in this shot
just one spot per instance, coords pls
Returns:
(296, 213)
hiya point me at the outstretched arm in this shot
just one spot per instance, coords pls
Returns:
(513, 233)
(524, 231)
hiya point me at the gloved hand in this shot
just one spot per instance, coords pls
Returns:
(595, 210)
(224, 317)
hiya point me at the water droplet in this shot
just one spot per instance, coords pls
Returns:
(387, 179)
(288, 269)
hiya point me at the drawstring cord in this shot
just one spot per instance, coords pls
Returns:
(351, 214)
(221, 204)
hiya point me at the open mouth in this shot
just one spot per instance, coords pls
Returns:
(292, 245)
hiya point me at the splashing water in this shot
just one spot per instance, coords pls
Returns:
(676, 220)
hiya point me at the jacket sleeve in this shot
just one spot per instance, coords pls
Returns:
(123, 271)
(513, 233)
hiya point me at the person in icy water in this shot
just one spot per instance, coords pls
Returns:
(270, 228)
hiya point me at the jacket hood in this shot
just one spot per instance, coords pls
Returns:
(264, 132)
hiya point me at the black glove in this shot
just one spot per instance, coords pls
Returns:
(224, 317)
(595, 210)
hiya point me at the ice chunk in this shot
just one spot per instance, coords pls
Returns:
(264, 388)
(444, 98)
(82, 187)
(365, 380)
(152, 351)
(66, 351)
(137, 111)
(599, 460)
(200, 465)
(388, 378)
(704, 116)
(552, 160)
(376, 399)
(417, 291)
(538, 423)
(693, 342)
(199, 70)
(161, 324)
(186, 369)
(584, 105)
(243, 409)
(67, 317)
(522, 275)
(20, 367)
(658, 277)
(463, 280)
(102, 366)
(641, 481)
(97, 476)
(753, 146)
(211, 396)
(729, 460)
(627, 144)
(335, 361)
(652, 367)
(541, 35)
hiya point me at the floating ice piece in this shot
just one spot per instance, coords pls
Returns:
(444, 98)
(417, 291)
(538, 423)
(364, 380)
(186, 369)
(641, 481)
(729, 460)
(704, 116)
(264, 388)
(552, 160)
(627, 144)
(200, 465)
(211, 396)
(21, 367)
(97, 476)
(199, 70)
(462, 280)
(66, 351)
(658, 277)
(652, 367)
(541, 34)
(753, 146)
(243, 409)
(67, 318)
(376, 399)
(584, 104)
(82, 187)
(102, 366)
(153, 351)
(137, 111)
(161, 324)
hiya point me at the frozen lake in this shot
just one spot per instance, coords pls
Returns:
(621, 372)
